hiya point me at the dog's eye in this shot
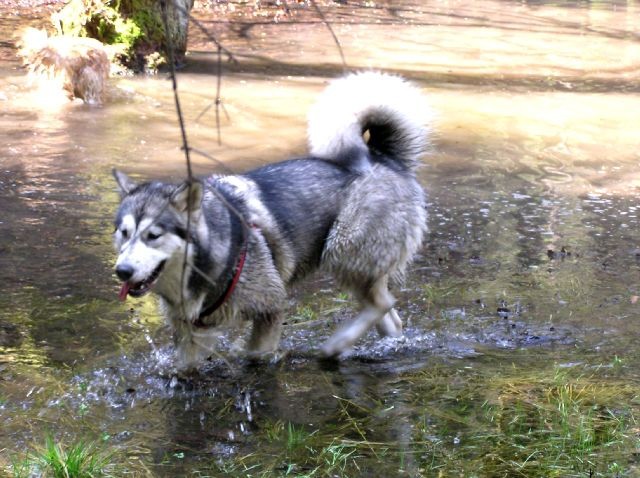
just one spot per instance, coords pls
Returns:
(153, 235)
(125, 233)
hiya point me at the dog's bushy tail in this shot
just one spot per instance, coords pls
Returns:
(393, 112)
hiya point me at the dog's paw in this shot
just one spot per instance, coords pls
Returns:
(334, 348)
(269, 358)
(238, 347)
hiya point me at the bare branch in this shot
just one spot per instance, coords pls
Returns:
(185, 144)
(333, 34)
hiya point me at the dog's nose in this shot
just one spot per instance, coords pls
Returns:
(124, 272)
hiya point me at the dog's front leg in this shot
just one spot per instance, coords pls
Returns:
(193, 345)
(265, 333)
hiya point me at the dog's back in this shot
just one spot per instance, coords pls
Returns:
(304, 198)
(354, 207)
(355, 199)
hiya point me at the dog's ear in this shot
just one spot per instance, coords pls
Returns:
(125, 183)
(188, 197)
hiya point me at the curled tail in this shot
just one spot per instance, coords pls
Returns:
(392, 111)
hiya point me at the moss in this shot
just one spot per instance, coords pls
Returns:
(133, 27)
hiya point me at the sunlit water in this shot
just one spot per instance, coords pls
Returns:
(533, 255)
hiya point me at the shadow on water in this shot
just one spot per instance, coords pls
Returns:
(519, 351)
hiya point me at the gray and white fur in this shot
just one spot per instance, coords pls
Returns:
(353, 208)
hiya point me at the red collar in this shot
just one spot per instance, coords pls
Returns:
(224, 297)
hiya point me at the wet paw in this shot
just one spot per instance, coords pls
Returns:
(334, 347)
(238, 348)
(269, 358)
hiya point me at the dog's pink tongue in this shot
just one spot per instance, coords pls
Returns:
(123, 292)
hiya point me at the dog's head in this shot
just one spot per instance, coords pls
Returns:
(150, 234)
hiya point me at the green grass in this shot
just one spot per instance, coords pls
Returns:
(21, 468)
(273, 430)
(293, 436)
(54, 460)
(297, 436)
(303, 313)
(319, 307)
(334, 459)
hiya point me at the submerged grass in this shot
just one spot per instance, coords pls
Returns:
(533, 422)
(520, 421)
(498, 414)
(318, 306)
(470, 419)
(437, 295)
(291, 450)
(561, 425)
(331, 460)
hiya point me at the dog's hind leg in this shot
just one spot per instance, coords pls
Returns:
(265, 333)
(390, 325)
(377, 309)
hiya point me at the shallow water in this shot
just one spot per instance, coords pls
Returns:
(531, 264)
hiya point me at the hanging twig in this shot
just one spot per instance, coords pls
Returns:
(204, 154)
(186, 148)
(218, 98)
(230, 56)
(218, 102)
(185, 144)
(333, 34)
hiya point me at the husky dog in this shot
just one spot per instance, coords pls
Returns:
(78, 66)
(353, 208)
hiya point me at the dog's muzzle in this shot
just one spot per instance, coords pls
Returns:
(136, 289)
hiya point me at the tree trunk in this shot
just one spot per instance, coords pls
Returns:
(135, 28)
(178, 25)
(147, 14)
